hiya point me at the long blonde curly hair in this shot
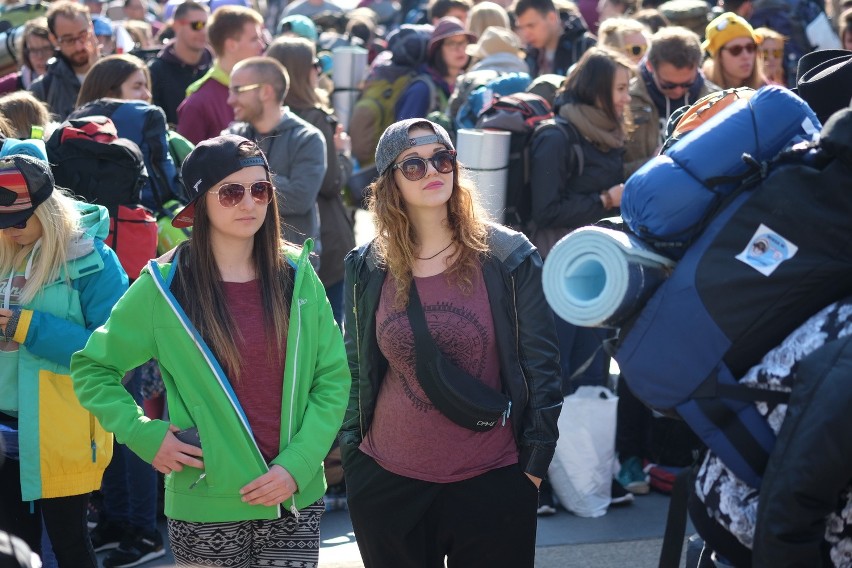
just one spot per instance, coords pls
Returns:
(396, 238)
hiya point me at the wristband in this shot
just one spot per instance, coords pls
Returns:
(12, 324)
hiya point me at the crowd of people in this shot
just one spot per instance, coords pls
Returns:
(234, 363)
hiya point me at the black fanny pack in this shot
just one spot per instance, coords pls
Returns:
(464, 399)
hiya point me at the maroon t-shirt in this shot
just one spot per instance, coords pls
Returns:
(408, 435)
(261, 379)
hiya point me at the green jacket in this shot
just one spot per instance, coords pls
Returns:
(149, 323)
(64, 450)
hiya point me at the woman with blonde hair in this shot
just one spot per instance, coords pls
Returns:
(772, 52)
(468, 478)
(625, 35)
(486, 14)
(58, 283)
(310, 103)
(734, 59)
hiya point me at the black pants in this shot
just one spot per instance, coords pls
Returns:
(487, 521)
(65, 520)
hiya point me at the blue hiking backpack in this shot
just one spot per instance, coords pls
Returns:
(777, 253)
(145, 125)
(667, 201)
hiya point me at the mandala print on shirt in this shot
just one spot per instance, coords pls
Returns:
(457, 332)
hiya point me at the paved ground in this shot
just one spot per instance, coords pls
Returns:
(628, 536)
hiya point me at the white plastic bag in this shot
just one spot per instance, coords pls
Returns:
(581, 470)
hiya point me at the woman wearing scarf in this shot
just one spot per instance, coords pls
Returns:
(576, 178)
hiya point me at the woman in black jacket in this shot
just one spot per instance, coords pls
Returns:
(576, 177)
(421, 486)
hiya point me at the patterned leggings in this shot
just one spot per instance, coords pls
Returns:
(281, 543)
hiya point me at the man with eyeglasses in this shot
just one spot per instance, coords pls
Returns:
(182, 61)
(295, 149)
(70, 26)
(668, 77)
(235, 33)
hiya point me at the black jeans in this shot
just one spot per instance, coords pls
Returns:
(65, 520)
(487, 521)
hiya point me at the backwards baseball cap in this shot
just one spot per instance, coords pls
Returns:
(396, 140)
(299, 25)
(723, 29)
(209, 163)
(25, 183)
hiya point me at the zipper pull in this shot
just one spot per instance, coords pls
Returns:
(507, 413)
(94, 452)
(197, 481)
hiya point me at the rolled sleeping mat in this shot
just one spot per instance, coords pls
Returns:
(596, 277)
(668, 197)
(485, 156)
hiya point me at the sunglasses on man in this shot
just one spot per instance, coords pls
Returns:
(196, 25)
(415, 168)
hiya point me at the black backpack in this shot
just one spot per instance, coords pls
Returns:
(525, 115)
(89, 159)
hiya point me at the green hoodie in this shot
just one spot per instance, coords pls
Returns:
(149, 323)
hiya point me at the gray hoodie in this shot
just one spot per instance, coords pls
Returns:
(297, 157)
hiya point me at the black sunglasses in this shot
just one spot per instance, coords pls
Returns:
(231, 194)
(666, 86)
(196, 25)
(415, 168)
(737, 49)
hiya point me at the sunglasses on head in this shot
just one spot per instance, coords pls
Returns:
(738, 49)
(415, 167)
(197, 25)
(635, 50)
(776, 53)
(231, 194)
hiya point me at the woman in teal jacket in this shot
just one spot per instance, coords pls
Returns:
(250, 356)
(58, 282)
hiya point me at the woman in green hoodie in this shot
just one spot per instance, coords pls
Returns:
(58, 282)
(253, 363)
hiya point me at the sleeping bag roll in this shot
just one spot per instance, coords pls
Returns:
(668, 197)
(597, 277)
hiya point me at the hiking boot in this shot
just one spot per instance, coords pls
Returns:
(136, 548)
(619, 495)
(107, 535)
(633, 478)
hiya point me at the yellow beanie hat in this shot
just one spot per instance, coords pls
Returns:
(723, 29)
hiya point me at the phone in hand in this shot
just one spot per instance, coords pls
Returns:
(189, 436)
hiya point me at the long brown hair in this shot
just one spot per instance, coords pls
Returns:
(107, 75)
(198, 283)
(297, 55)
(396, 238)
(590, 82)
(714, 72)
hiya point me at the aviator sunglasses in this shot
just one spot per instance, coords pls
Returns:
(414, 168)
(231, 194)
(738, 49)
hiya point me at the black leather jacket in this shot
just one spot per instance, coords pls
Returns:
(523, 325)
